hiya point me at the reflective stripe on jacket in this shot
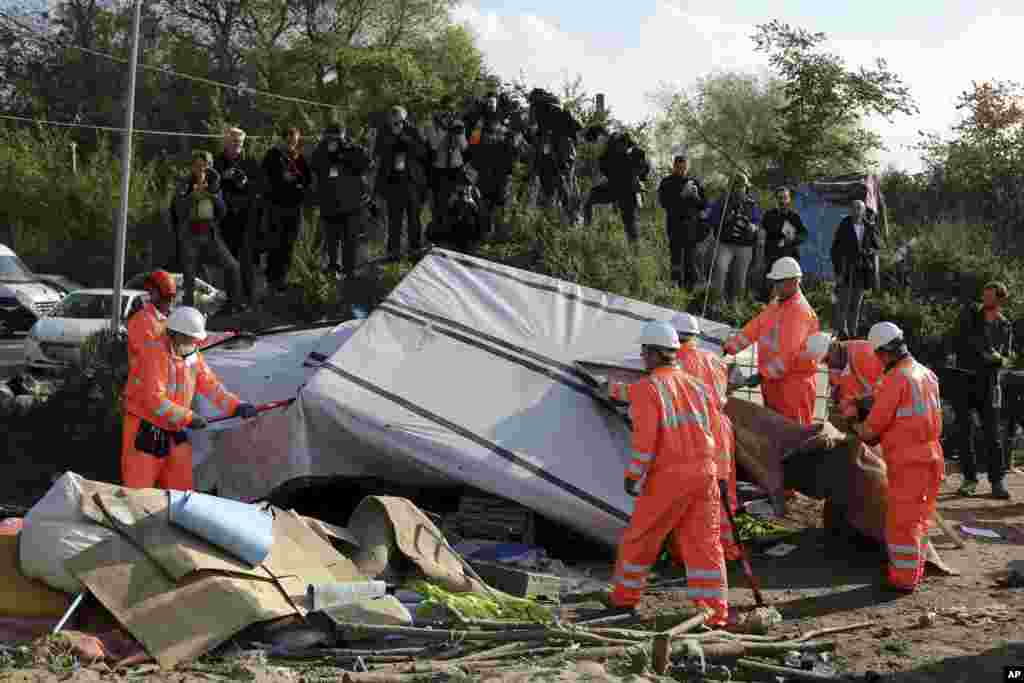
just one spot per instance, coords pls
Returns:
(161, 387)
(907, 413)
(671, 424)
(780, 332)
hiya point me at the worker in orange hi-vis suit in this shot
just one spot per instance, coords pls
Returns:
(155, 450)
(147, 324)
(907, 419)
(787, 373)
(673, 473)
(714, 373)
(853, 371)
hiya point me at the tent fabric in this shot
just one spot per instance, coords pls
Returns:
(822, 204)
(273, 368)
(465, 374)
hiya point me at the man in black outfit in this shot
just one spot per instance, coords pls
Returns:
(239, 184)
(287, 176)
(854, 254)
(343, 194)
(683, 198)
(625, 165)
(494, 157)
(784, 233)
(402, 180)
(984, 342)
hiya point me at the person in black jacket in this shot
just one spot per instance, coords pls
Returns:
(240, 182)
(402, 181)
(494, 157)
(854, 254)
(983, 343)
(784, 233)
(739, 231)
(684, 200)
(343, 194)
(625, 166)
(287, 176)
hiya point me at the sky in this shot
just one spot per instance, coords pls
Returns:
(629, 48)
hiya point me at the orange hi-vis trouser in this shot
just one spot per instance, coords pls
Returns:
(913, 489)
(792, 397)
(144, 471)
(727, 473)
(673, 500)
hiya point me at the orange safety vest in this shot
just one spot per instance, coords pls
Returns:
(161, 387)
(145, 328)
(907, 413)
(780, 332)
(862, 372)
(671, 424)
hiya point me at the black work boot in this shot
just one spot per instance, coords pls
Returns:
(999, 490)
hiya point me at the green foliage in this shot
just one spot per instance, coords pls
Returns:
(319, 290)
(821, 124)
(497, 605)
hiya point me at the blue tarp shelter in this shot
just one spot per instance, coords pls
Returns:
(822, 204)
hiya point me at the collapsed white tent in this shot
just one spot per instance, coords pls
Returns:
(465, 375)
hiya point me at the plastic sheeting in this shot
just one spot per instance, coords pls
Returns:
(466, 374)
(246, 531)
(271, 369)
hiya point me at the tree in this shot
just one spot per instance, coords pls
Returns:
(820, 125)
(725, 119)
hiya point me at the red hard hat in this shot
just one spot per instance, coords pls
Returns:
(163, 282)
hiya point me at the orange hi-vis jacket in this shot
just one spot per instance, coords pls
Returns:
(780, 332)
(671, 425)
(162, 385)
(860, 376)
(713, 372)
(145, 328)
(907, 414)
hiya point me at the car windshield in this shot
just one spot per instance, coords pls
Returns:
(86, 306)
(13, 270)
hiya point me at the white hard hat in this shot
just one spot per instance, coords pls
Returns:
(188, 321)
(818, 344)
(659, 333)
(883, 334)
(784, 269)
(686, 324)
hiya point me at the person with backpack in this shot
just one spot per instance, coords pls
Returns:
(624, 165)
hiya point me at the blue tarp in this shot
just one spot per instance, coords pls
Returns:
(822, 205)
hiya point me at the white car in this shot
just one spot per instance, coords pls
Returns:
(24, 298)
(55, 342)
(208, 298)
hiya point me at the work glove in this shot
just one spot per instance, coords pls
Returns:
(198, 422)
(246, 411)
(632, 486)
(864, 406)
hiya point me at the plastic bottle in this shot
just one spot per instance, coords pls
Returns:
(323, 595)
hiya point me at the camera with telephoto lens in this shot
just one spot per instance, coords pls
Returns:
(235, 176)
(448, 121)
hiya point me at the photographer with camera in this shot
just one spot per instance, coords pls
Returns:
(448, 146)
(554, 132)
(684, 200)
(343, 194)
(196, 212)
(239, 183)
(739, 235)
(624, 165)
(287, 176)
(494, 157)
(402, 180)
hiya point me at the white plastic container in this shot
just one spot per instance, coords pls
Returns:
(324, 595)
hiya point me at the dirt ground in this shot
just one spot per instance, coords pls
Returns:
(977, 629)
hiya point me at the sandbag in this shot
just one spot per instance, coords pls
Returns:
(55, 530)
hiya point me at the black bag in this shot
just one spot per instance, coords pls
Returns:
(152, 440)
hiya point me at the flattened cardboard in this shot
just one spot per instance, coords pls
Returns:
(174, 622)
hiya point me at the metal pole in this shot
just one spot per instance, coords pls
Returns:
(121, 229)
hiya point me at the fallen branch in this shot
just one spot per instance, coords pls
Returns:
(610, 619)
(339, 653)
(789, 672)
(543, 633)
(835, 629)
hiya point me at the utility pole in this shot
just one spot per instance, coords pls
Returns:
(121, 229)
